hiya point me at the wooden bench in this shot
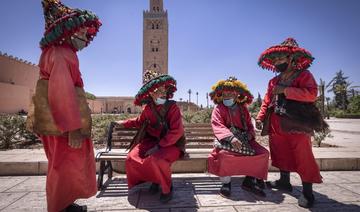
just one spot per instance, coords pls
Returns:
(199, 143)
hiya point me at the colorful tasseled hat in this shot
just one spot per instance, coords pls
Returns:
(61, 22)
(302, 58)
(231, 84)
(152, 81)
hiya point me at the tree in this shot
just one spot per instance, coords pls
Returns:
(340, 87)
(354, 105)
(90, 96)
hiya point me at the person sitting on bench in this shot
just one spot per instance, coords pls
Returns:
(160, 139)
(236, 152)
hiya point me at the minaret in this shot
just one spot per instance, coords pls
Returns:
(155, 38)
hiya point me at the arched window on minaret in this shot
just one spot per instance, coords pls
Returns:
(152, 26)
(157, 26)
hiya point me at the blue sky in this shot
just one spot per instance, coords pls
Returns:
(208, 40)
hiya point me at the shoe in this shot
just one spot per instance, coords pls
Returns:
(306, 202)
(154, 188)
(278, 184)
(164, 198)
(76, 208)
(260, 183)
(225, 190)
(252, 187)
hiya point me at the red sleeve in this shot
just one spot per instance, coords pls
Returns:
(176, 128)
(61, 91)
(136, 122)
(265, 103)
(218, 124)
(304, 88)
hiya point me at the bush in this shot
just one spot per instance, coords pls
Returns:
(100, 125)
(13, 131)
(201, 116)
(319, 137)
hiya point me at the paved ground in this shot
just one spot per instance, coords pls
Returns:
(193, 192)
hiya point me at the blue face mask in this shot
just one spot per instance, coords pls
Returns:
(228, 102)
(160, 101)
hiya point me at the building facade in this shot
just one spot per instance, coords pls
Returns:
(17, 83)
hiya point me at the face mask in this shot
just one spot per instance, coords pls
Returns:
(282, 67)
(78, 43)
(160, 101)
(228, 102)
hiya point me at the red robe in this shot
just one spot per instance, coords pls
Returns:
(155, 168)
(292, 151)
(71, 172)
(224, 163)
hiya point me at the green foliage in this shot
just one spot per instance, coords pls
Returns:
(354, 105)
(90, 96)
(339, 85)
(201, 116)
(100, 125)
(321, 136)
(13, 131)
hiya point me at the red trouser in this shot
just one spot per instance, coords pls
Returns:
(293, 152)
(71, 172)
(155, 168)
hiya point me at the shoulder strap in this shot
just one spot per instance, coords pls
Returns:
(161, 115)
(243, 122)
(288, 82)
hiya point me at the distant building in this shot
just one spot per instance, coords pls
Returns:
(17, 83)
(105, 104)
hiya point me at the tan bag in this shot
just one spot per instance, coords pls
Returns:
(40, 119)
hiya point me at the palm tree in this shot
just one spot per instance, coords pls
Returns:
(339, 86)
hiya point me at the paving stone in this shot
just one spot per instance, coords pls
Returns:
(333, 207)
(34, 183)
(8, 182)
(279, 197)
(183, 196)
(208, 194)
(114, 197)
(262, 208)
(205, 209)
(7, 199)
(334, 193)
(33, 201)
(349, 176)
(334, 177)
(354, 187)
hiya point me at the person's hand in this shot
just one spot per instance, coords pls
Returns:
(152, 150)
(75, 139)
(236, 144)
(279, 89)
(258, 124)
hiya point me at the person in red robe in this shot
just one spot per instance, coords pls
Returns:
(62, 120)
(163, 142)
(291, 151)
(232, 155)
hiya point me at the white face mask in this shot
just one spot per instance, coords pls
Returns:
(160, 101)
(78, 43)
(228, 102)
